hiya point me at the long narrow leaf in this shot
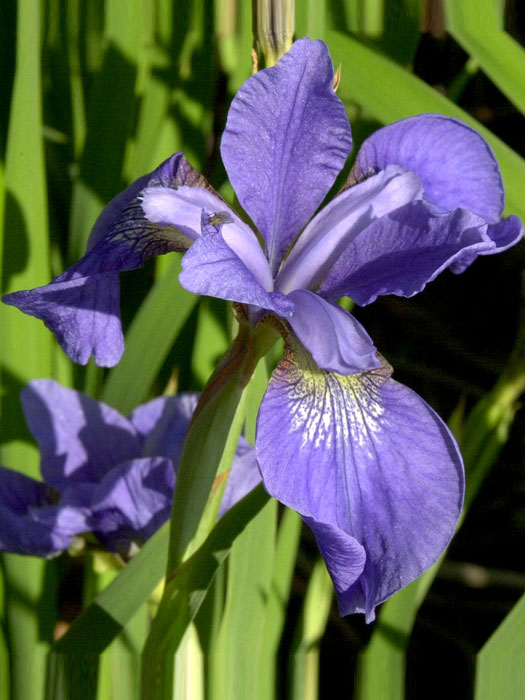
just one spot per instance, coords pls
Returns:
(284, 564)
(304, 661)
(480, 31)
(500, 670)
(110, 117)
(185, 591)
(25, 345)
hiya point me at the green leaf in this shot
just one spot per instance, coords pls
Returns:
(74, 30)
(391, 25)
(304, 659)
(388, 92)
(500, 669)
(284, 564)
(110, 116)
(185, 590)
(310, 19)
(211, 440)
(4, 651)
(236, 658)
(233, 24)
(72, 677)
(239, 653)
(482, 35)
(208, 433)
(211, 338)
(25, 344)
(96, 627)
(189, 668)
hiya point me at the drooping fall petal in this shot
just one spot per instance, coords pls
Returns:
(371, 468)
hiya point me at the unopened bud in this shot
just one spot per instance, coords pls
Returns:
(273, 27)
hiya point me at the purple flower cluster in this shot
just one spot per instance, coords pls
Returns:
(371, 468)
(103, 473)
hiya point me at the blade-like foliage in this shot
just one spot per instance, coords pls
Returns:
(500, 670)
(482, 35)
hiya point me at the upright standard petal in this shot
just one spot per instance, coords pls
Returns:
(81, 306)
(369, 465)
(336, 340)
(454, 163)
(20, 531)
(403, 251)
(286, 139)
(80, 439)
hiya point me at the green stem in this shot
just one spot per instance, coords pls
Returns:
(204, 448)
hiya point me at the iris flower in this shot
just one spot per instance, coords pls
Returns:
(103, 473)
(370, 467)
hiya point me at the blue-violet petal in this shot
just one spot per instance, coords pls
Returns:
(287, 137)
(369, 465)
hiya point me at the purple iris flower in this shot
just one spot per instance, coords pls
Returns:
(368, 464)
(103, 473)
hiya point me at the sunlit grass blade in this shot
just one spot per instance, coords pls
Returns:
(110, 113)
(480, 31)
(25, 345)
(237, 656)
(185, 590)
(211, 339)
(233, 26)
(388, 92)
(500, 669)
(236, 659)
(189, 668)
(310, 19)
(119, 665)
(372, 17)
(78, 113)
(304, 658)
(25, 609)
(287, 544)
(148, 340)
